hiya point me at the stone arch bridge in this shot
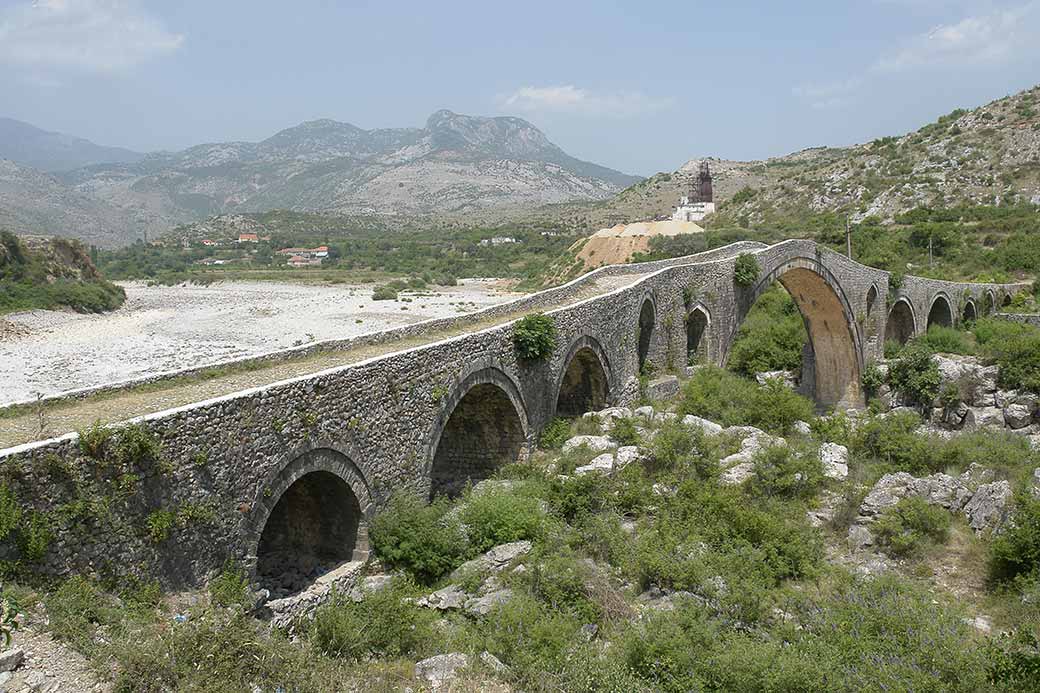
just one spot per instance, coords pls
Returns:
(297, 467)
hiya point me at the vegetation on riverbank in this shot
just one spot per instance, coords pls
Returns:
(52, 274)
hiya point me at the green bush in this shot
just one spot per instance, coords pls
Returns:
(10, 511)
(555, 434)
(915, 374)
(1019, 362)
(1015, 552)
(574, 497)
(381, 625)
(771, 337)
(94, 439)
(34, 537)
(159, 524)
(624, 432)
(745, 269)
(75, 609)
(534, 337)
(730, 400)
(906, 527)
(563, 583)
(677, 447)
(231, 587)
(499, 517)
(418, 537)
(872, 378)
(136, 446)
(384, 292)
(892, 444)
(946, 340)
(1013, 660)
(529, 637)
(784, 472)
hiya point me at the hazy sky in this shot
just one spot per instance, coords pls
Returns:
(639, 86)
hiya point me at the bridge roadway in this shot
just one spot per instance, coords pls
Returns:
(281, 461)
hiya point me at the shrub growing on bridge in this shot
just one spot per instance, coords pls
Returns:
(746, 269)
(534, 337)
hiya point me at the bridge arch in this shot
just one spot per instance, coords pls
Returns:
(829, 322)
(940, 313)
(482, 426)
(901, 324)
(698, 320)
(872, 299)
(989, 304)
(970, 313)
(584, 383)
(1005, 300)
(645, 329)
(310, 516)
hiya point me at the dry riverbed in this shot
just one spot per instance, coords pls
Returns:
(162, 328)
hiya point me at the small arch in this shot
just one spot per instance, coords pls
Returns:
(1005, 301)
(901, 321)
(940, 313)
(309, 518)
(584, 384)
(872, 298)
(645, 330)
(990, 303)
(697, 323)
(969, 314)
(484, 427)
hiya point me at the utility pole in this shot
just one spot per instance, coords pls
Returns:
(848, 237)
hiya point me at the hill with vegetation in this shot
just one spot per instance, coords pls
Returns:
(985, 156)
(52, 273)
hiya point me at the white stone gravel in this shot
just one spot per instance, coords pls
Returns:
(164, 328)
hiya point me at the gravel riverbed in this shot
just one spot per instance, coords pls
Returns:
(162, 328)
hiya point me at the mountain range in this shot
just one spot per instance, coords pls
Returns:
(456, 164)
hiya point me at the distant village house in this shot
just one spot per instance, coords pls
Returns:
(302, 257)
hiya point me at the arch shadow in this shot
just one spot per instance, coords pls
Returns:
(698, 321)
(586, 379)
(901, 325)
(940, 312)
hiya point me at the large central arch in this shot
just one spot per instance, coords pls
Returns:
(483, 426)
(584, 384)
(835, 357)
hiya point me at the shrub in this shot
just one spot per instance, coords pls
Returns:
(893, 445)
(1019, 361)
(892, 348)
(10, 511)
(575, 497)
(384, 292)
(135, 446)
(1013, 660)
(872, 378)
(555, 434)
(733, 401)
(745, 269)
(75, 609)
(382, 625)
(499, 517)
(159, 524)
(676, 446)
(418, 537)
(624, 432)
(904, 528)
(231, 587)
(534, 337)
(1015, 552)
(915, 374)
(92, 440)
(34, 537)
(946, 340)
(783, 472)
(528, 636)
(563, 584)
(771, 337)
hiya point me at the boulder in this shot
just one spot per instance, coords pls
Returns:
(444, 599)
(709, 427)
(493, 663)
(626, 455)
(835, 459)
(594, 443)
(988, 507)
(439, 670)
(983, 417)
(802, 428)
(662, 418)
(663, 388)
(646, 412)
(975, 475)
(938, 489)
(482, 606)
(1018, 415)
(11, 659)
(1036, 482)
(738, 474)
(603, 464)
(610, 414)
(494, 560)
(859, 538)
